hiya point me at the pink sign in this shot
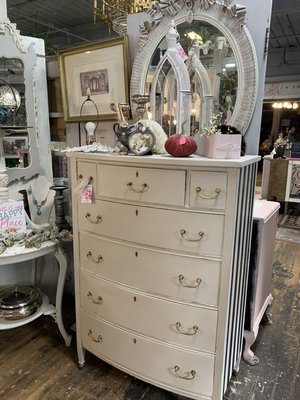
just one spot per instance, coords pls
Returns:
(12, 217)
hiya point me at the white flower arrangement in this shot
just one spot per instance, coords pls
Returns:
(213, 127)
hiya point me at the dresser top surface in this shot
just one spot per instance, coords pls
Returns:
(165, 160)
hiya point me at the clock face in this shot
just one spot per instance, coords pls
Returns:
(141, 141)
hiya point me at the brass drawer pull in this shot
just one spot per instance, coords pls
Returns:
(188, 375)
(97, 221)
(97, 339)
(214, 196)
(191, 332)
(96, 261)
(98, 301)
(80, 178)
(143, 188)
(197, 284)
(183, 232)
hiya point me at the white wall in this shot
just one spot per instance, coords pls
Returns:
(258, 20)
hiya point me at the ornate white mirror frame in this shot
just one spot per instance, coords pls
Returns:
(12, 45)
(229, 18)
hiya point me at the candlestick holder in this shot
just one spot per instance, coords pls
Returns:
(60, 218)
(141, 100)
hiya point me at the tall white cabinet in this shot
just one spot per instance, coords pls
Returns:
(161, 265)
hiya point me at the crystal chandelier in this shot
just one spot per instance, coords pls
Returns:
(115, 12)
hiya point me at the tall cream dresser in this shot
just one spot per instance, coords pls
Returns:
(161, 265)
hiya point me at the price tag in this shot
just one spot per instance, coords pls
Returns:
(87, 194)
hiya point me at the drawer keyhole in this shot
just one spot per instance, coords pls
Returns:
(134, 298)
(137, 213)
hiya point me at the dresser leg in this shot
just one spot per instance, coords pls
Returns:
(81, 355)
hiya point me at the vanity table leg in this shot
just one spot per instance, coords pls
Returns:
(62, 262)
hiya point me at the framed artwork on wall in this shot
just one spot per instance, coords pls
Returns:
(98, 71)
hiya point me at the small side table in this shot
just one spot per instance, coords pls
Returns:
(259, 297)
(17, 254)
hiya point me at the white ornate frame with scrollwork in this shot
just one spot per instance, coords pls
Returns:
(13, 45)
(229, 18)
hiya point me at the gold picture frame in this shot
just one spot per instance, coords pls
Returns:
(99, 70)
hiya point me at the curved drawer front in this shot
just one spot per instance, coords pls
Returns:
(141, 184)
(208, 190)
(164, 320)
(184, 277)
(85, 172)
(178, 230)
(145, 358)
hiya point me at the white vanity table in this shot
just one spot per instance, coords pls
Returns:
(26, 59)
(14, 255)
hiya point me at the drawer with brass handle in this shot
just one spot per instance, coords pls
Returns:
(208, 190)
(168, 321)
(144, 185)
(192, 232)
(189, 371)
(86, 172)
(188, 278)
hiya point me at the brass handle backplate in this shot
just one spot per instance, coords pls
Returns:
(187, 375)
(192, 331)
(144, 187)
(96, 221)
(195, 285)
(94, 260)
(97, 339)
(213, 196)
(188, 239)
(99, 300)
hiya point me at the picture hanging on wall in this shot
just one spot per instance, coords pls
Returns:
(98, 71)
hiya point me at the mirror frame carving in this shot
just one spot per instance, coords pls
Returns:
(14, 47)
(230, 20)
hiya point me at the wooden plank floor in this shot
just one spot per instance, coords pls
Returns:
(35, 364)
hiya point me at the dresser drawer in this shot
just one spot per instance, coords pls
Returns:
(85, 172)
(187, 278)
(152, 360)
(164, 320)
(156, 186)
(208, 190)
(200, 233)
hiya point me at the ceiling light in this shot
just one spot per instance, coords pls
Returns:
(230, 65)
(193, 35)
(289, 105)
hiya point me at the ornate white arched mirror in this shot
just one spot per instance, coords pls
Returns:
(228, 55)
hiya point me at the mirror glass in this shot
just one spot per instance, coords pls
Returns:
(13, 113)
(213, 76)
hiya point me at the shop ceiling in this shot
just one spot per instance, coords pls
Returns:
(68, 23)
